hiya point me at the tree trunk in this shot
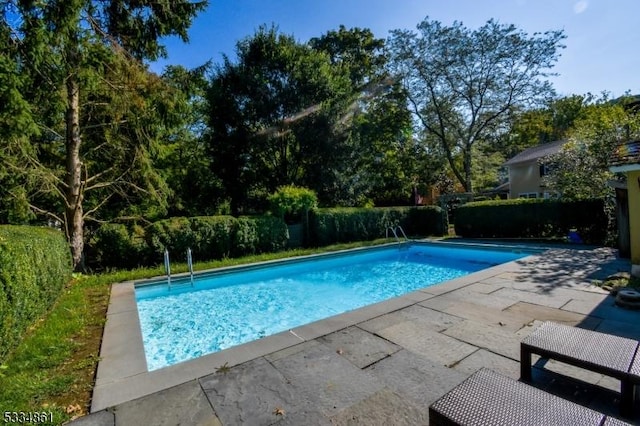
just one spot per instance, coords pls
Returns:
(466, 161)
(74, 221)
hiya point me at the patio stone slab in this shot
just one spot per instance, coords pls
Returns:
(416, 378)
(319, 374)
(620, 328)
(183, 404)
(466, 294)
(252, 392)
(498, 340)
(585, 307)
(283, 353)
(546, 313)
(381, 409)
(562, 386)
(569, 370)
(358, 346)
(437, 347)
(550, 299)
(484, 358)
(124, 356)
(100, 418)
(428, 318)
(489, 285)
(490, 316)
(610, 311)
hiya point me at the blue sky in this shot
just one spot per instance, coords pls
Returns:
(602, 52)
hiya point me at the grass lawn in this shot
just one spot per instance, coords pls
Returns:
(53, 368)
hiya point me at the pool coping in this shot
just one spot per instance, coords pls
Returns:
(122, 369)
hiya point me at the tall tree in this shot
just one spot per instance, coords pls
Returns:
(536, 126)
(463, 83)
(183, 158)
(16, 126)
(270, 115)
(581, 169)
(386, 162)
(65, 47)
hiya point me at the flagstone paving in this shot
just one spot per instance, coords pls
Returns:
(385, 364)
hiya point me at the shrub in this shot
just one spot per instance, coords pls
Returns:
(260, 234)
(532, 218)
(428, 220)
(115, 244)
(208, 237)
(290, 202)
(35, 264)
(173, 234)
(328, 226)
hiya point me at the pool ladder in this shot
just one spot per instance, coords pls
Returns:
(394, 230)
(167, 267)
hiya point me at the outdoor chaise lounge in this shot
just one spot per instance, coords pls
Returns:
(489, 398)
(606, 354)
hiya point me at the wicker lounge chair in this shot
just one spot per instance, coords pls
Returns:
(606, 354)
(489, 398)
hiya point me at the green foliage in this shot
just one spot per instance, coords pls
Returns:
(531, 127)
(427, 220)
(532, 218)
(581, 169)
(463, 83)
(270, 115)
(260, 234)
(101, 111)
(116, 244)
(290, 202)
(35, 264)
(328, 226)
(208, 237)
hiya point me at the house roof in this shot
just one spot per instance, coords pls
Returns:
(536, 152)
(626, 154)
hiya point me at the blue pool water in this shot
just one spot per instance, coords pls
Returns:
(224, 310)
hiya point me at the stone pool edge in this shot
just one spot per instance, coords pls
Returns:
(122, 370)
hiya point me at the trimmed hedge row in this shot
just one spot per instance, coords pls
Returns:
(532, 218)
(338, 225)
(209, 237)
(35, 264)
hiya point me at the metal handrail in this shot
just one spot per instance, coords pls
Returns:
(402, 231)
(394, 230)
(167, 267)
(190, 264)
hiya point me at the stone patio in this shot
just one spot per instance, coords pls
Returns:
(383, 364)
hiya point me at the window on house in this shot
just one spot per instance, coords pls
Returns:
(543, 170)
(528, 195)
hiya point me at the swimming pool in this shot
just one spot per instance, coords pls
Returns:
(224, 309)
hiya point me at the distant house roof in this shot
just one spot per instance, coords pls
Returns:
(626, 157)
(536, 152)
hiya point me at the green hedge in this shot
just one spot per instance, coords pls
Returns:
(208, 237)
(532, 218)
(337, 225)
(115, 244)
(35, 264)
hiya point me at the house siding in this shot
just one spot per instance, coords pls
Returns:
(525, 178)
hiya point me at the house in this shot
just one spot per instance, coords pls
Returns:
(525, 171)
(627, 160)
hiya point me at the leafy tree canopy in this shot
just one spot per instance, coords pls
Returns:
(581, 169)
(68, 54)
(463, 83)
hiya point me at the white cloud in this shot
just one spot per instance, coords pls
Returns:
(580, 6)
